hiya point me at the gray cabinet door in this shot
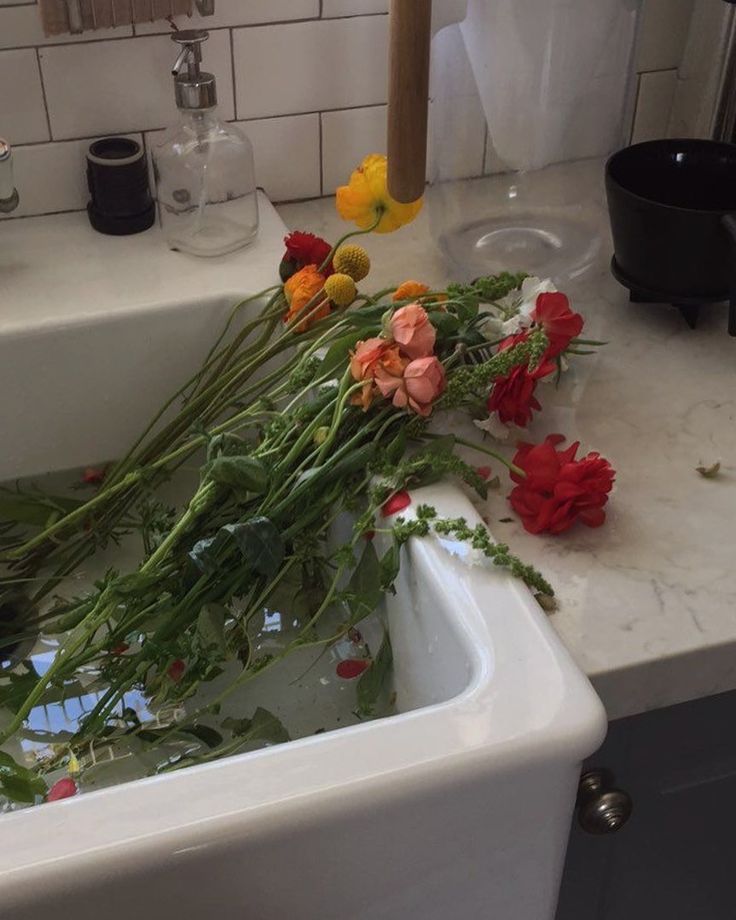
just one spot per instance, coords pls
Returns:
(676, 858)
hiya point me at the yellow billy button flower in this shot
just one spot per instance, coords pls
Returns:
(352, 260)
(365, 199)
(340, 289)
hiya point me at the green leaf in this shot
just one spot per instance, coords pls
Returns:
(397, 448)
(440, 447)
(260, 543)
(365, 585)
(211, 627)
(390, 565)
(208, 736)
(33, 509)
(243, 475)
(445, 323)
(18, 783)
(265, 726)
(336, 359)
(373, 681)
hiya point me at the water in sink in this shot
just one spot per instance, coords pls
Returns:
(310, 691)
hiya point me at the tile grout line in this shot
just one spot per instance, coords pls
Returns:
(151, 130)
(134, 35)
(232, 73)
(43, 96)
(321, 158)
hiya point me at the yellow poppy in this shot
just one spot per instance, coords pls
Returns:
(365, 199)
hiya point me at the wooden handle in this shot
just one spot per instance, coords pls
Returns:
(411, 33)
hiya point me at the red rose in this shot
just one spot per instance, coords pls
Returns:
(512, 395)
(304, 249)
(553, 313)
(559, 489)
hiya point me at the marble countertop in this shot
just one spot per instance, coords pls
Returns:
(647, 604)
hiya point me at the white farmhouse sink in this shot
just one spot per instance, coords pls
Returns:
(458, 807)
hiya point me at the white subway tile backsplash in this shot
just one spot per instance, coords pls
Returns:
(20, 26)
(663, 30)
(308, 77)
(52, 177)
(287, 155)
(286, 152)
(310, 66)
(654, 105)
(114, 87)
(353, 7)
(347, 137)
(240, 13)
(22, 112)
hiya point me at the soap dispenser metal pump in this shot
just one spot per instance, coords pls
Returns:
(204, 168)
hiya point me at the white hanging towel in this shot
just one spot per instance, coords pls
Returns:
(552, 75)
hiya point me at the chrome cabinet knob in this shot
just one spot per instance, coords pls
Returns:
(602, 809)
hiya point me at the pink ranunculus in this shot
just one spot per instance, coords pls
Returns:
(422, 382)
(413, 332)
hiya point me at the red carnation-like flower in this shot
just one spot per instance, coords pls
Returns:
(512, 395)
(559, 489)
(304, 249)
(553, 313)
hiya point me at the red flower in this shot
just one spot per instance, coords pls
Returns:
(63, 789)
(304, 249)
(176, 670)
(396, 503)
(93, 476)
(512, 395)
(553, 313)
(352, 668)
(559, 489)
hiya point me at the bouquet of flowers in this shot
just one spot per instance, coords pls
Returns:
(319, 400)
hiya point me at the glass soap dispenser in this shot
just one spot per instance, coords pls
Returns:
(204, 167)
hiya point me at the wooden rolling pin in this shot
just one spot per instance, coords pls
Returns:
(408, 98)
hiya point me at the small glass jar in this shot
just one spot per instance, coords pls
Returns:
(204, 168)
(205, 176)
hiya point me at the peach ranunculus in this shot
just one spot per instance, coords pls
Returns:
(371, 357)
(412, 330)
(422, 382)
(299, 290)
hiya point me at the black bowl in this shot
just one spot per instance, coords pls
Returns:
(669, 203)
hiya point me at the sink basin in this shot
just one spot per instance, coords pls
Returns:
(458, 806)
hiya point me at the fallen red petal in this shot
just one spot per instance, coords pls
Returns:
(93, 476)
(369, 535)
(396, 503)
(484, 472)
(63, 789)
(120, 649)
(352, 668)
(176, 670)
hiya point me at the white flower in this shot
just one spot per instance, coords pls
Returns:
(493, 426)
(523, 301)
